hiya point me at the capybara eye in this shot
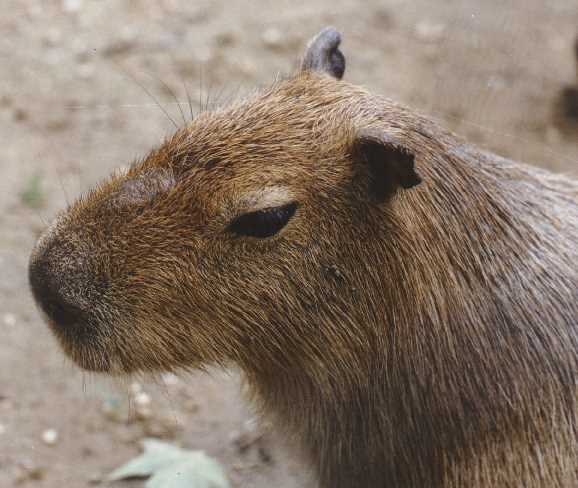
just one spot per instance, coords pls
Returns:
(263, 223)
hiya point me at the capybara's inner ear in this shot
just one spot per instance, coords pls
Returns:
(391, 165)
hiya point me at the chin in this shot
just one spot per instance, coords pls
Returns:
(85, 350)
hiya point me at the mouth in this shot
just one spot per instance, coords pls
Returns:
(82, 344)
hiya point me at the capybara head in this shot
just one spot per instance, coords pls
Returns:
(241, 239)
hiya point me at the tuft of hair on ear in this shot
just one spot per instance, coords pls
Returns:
(391, 164)
(323, 55)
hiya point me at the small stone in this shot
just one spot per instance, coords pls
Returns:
(71, 6)
(123, 42)
(57, 124)
(171, 379)
(50, 437)
(142, 399)
(37, 473)
(28, 471)
(429, 31)
(272, 37)
(9, 319)
(118, 47)
(143, 413)
(20, 115)
(225, 39)
(496, 82)
(86, 451)
(2, 429)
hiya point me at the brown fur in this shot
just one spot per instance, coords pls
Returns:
(430, 340)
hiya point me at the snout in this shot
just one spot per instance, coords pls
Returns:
(53, 294)
(62, 283)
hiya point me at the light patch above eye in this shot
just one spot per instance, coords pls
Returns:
(269, 197)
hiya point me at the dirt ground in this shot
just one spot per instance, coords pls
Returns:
(74, 105)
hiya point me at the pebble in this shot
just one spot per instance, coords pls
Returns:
(496, 83)
(429, 31)
(71, 6)
(29, 472)
(20, 115)
(142, 402)
(225, 39)
(135, 388)
(50, 437)
(2, 429)
(121, 43)
(9, 319)
(272, 37)
(171, 379)
(142, 399)
(143, 413)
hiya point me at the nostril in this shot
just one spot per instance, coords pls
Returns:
(49, 296)
(59, 311)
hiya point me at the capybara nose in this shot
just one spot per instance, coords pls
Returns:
(49, 292)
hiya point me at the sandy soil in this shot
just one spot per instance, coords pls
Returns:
(74, 105)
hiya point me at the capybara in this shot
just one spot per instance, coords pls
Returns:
(402, 303)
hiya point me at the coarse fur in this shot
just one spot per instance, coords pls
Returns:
(424, 338)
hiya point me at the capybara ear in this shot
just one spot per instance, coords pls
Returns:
(391, 164)
(323, 54)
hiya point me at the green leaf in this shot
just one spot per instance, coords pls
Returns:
(172, 467)
(156, 455)
(32, 194)
(196, 471)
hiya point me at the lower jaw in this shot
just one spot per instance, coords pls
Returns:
(84, 353)
(89, 361)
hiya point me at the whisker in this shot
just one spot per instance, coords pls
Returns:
(189, 100)
(147, 91)
(60, 180)
(173, 96)
(201, 88)
(122, 105)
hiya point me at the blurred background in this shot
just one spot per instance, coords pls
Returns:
(81, 82)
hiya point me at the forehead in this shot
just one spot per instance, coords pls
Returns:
(289, 126)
